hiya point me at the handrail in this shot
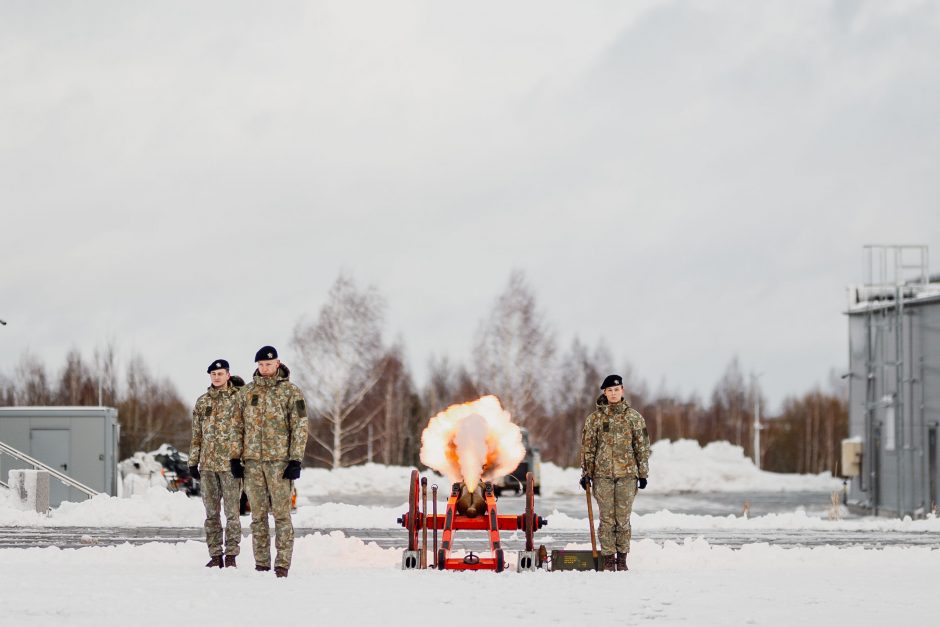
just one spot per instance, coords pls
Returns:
(36, 464)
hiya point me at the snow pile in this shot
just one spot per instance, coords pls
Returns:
(686, 466)
(667, 521)
(154, 508)
(355, 583)
(341, 515)
(357, 480)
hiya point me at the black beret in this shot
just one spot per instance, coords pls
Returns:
(218, 364)
(612, 380)
(266, 352)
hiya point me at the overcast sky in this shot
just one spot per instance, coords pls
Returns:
(689, 181)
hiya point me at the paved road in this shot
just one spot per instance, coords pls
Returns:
(71, 537)
(572, 504)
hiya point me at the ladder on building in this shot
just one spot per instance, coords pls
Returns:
(894, 274)
(38, 465)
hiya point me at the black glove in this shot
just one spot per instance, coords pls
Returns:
(194, 472)
(585, 482)
(642, 483)
(293, 470)
(238, 471)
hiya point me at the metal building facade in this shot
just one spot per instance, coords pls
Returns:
(81, 442)
(894, 383)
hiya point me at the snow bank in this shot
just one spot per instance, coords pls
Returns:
(682, 466)
(346, 581)
(365, 479)
(685, 466)
(154, 508)
(675, 467)
(665, 520)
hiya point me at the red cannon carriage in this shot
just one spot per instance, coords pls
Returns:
(471, 511)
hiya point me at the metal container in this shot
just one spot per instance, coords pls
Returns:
(576, 560)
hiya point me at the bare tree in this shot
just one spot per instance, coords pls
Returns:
(730, 406)
(32, 383)
(105, 359)
(151, 411)
(514, 352)
(580, 374)
(7, 391)
(76, 382)
(342, 358)
(447, 385)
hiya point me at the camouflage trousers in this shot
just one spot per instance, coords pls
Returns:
(218, 489)
(267, 492)
(615, 502)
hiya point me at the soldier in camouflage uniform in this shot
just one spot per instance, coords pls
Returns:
(615, 451)
(217, 438)
(275, 416)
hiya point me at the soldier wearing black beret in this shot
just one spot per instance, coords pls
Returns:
(615, 450)
(275, 434)
(217, 438)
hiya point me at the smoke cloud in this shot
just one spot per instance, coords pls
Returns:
(472, 442)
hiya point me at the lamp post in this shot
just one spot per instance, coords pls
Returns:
(757, 426)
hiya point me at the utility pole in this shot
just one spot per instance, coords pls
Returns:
(757, 426)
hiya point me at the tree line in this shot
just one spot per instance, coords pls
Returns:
(366, 406)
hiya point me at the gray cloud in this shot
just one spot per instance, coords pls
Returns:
(689, 182)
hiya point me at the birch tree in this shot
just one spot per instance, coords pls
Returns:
(342, 358)
(514, 352)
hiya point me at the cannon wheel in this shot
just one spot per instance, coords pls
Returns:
(528, 521)
(414, 493)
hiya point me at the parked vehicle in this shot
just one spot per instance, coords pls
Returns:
(532, 462)
(176, 470)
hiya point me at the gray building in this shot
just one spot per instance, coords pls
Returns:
(894, 385)
(81, 442)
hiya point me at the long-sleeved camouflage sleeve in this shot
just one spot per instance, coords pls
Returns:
(588, 445)
(641, 447)
(195, 446)
(298, 425)
(238, 426)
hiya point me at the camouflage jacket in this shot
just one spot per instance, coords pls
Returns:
(217, 429)
(275, 418)
(615, 442)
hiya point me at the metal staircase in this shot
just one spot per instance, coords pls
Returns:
(38, 465)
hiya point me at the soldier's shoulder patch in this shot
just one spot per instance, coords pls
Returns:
(254, 400)
(301, 407)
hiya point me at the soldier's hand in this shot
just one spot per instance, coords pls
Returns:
(238, 471)
(641, 482)
(194, 472)
(585, 482)
(293, 470)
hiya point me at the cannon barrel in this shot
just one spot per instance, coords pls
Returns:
(471, 504)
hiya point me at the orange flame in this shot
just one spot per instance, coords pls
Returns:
(472, 442)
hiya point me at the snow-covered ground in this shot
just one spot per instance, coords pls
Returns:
(373, 496)
(336, 578)
(340, 580)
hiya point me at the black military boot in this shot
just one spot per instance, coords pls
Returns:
(230, 561)
(610, 562)
(280, 571)
(622, 562)
(262, 568)
(214, 562)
